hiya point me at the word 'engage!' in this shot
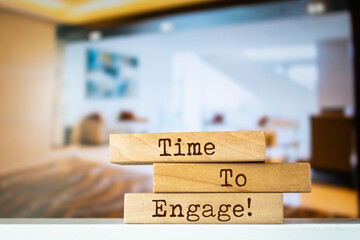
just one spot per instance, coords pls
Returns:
(223, 213)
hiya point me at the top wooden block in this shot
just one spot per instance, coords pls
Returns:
(147, 148)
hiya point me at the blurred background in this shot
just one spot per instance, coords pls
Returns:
(74, 71)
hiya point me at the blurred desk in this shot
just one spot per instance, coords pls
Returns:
(270, 138)
(304, 229)
(275, 160)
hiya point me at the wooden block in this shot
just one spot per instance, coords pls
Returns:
(203, 208)
(232, 177)
(240, 146)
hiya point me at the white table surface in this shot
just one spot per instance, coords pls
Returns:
(304, 229)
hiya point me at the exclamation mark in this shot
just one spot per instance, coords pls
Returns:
(249, 203)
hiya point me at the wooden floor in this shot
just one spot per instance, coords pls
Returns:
(68, 188)
(82, 188)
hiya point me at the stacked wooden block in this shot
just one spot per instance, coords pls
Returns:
(208, 177)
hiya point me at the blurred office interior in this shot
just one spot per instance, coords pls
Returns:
(74, 71)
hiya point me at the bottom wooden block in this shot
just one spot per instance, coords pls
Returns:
(203, 208)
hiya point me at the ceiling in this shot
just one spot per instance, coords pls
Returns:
(86, 11)
(232, 39)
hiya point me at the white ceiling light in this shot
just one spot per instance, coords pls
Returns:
(316, 8)
(166, 27)
(95, 36)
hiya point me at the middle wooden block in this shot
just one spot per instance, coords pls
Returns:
(232, 177)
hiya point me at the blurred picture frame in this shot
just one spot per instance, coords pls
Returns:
(110, 75)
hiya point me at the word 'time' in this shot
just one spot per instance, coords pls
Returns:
(193, 148)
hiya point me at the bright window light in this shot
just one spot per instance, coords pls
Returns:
(304, 74)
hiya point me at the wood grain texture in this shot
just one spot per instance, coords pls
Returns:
(239, 146)
(203, 208)
(232, 177)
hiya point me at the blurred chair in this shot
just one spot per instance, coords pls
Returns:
(95, 130)
(92, 130)
(332, 142)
